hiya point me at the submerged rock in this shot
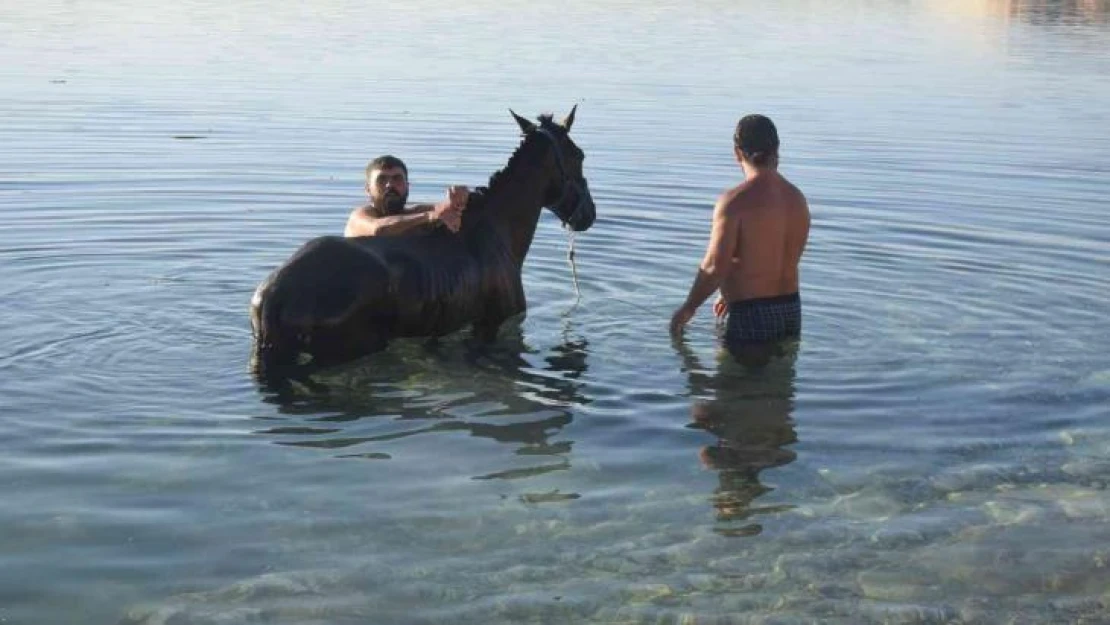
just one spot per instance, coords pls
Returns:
(1091, 505)
(899, 586)
(911, 614)
(1088, 469)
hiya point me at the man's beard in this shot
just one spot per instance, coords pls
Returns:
(392, 203)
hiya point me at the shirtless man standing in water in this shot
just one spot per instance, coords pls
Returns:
(760, 229)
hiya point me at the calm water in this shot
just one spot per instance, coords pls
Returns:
(938, 450)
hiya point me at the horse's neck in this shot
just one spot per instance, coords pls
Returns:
(515, 205)
(521, 214)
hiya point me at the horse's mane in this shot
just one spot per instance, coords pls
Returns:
(546, 121)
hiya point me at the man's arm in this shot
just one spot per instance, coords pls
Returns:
(362, 224)
(716, 264)
(448, 212)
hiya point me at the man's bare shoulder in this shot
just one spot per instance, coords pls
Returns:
(736, 198)
(368, 210)
(792, 189)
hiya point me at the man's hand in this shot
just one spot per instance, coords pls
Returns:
(457, 196)
(446, 214)
(449, 211)
(679, 320)
(451, 218)
(720, 308)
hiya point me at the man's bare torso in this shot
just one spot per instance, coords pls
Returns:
(773, 219)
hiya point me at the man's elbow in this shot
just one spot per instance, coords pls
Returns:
(364, 230)
(714, 270)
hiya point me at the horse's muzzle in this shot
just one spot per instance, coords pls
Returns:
(584, 212)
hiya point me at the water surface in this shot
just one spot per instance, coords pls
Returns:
(936, 449)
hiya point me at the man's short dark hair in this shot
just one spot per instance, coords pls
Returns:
(387, 161)
(757, 138)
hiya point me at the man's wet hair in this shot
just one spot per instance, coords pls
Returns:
(387, 161)
(757, 138)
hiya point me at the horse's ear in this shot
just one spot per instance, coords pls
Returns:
(569, 121)
(525, 125)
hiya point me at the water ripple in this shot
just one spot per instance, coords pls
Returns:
(943, 415)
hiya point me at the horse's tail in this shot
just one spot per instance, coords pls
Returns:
(275, 346)
(310, 308)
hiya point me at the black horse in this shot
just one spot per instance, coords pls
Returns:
(337, 299)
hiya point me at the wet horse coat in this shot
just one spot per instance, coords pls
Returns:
(337, 298)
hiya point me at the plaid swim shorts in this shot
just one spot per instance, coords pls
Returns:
(763, 320)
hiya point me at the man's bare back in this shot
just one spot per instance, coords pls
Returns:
(772, 219)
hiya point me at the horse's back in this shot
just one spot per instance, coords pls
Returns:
(435, 282)
(414, 285)
(322, 281)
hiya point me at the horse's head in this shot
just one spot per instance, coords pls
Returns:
(567, 194)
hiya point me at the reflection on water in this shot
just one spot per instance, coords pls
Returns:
(749, 410)
(423, 388)
(939, 455)
(1037, 11)
(1055, 10)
